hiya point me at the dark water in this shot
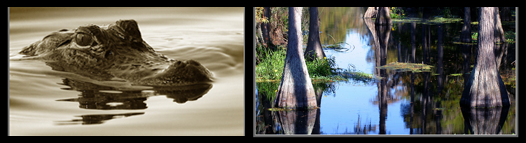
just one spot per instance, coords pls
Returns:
(384, 106)
(47, 102)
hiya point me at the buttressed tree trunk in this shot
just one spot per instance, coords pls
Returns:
(485, 87)
(295, 90)
(314, 49)
(383, 16)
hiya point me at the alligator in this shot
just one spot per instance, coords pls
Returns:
(114, 51)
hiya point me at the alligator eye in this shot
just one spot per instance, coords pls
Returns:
(83, 39)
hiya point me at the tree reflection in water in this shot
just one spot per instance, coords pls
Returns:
(93, 96)
(484, 120)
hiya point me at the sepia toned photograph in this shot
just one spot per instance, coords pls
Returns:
(393, 71)
(126, 71)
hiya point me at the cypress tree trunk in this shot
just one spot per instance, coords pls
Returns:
(371, 12)
(295, 89)
(506, 14)
(465, 38)
(485, 87)
(465, 35)
(314, 49)
(499, 38)
(440, 58)
(383, 16)
(265, 27)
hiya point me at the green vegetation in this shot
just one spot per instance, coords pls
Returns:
(402, 67)
(435, 20)
(510, 36)
(474, 36)
(259, 15)
(444, 20)
(322, 70)
(339, 47)
(357, 76)
(271, 67)
(456, 74)
(397, 13)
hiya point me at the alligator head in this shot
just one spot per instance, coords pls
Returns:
(114, 51)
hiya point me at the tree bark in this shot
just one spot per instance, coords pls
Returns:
(413, 42)
(499, 38)
(485, 87)
(506, 14)
(314, 49)
(440, 57)
(424, 43)
(371, 12)
(295, 90)
(383, 17)
(265, 27)
(465, 38)
(499, 32)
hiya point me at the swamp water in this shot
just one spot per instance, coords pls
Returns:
(384, 106)
(47, 102)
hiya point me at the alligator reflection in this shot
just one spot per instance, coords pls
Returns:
(93, 96)
(95, 119)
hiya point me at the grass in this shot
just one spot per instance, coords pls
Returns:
(271, 66)
(270, 69)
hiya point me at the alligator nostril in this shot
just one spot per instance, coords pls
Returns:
(62, 30)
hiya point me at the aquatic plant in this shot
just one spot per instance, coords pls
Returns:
(510, 36)
(402, 67)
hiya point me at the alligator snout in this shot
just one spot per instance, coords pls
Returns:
(180, 73)
(182, 64)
